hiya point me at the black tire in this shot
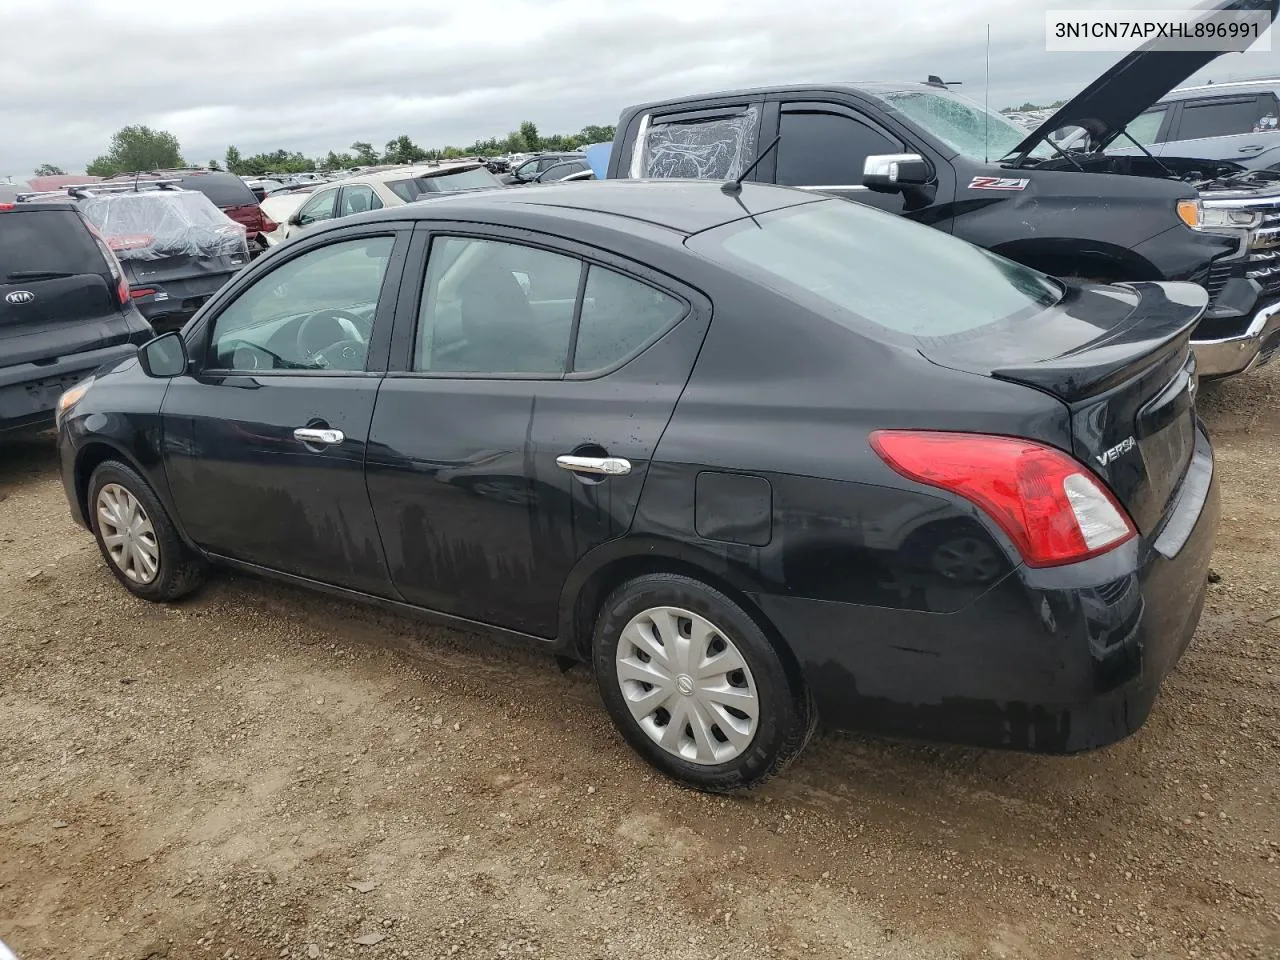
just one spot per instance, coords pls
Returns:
(179, 570)
(787, 717)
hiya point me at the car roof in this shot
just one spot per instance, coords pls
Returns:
(870, 87)
(397, 173)
(682, 206)
(1235, 87)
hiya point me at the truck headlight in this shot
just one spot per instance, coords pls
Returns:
(1211, 217)
(1198, 216)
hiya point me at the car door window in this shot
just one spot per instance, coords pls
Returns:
(358, 199)
(314, 312)
(716, 146)
(318, 208)
(1144, 128)
(1224, 117)
(494, 307)
(819, 148)
(561, 170)
(619, 316)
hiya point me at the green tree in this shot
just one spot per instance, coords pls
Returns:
(337, 161)
(235, 163)
(596, 134)
(214, 165)
(529, 134)
(366, 156)
(138, 147)
(49, 170)
(403, 150)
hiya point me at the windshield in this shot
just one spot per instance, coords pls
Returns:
(854, 264)
(967, 128)
(413, 188)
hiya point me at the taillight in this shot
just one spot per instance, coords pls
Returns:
(268, 225)
(122, 289)
(139, 292)
(7, 206)
(1051, 506)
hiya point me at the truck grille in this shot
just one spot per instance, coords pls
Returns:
(1262, 262)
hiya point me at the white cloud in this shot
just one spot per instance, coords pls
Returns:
(317, 75)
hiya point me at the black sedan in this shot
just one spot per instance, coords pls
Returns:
(758, 457)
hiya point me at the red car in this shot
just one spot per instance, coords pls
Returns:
(228, 193)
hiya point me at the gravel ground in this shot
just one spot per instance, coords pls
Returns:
(259, 772)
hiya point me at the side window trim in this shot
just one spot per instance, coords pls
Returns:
(413, 283)
(201, 337)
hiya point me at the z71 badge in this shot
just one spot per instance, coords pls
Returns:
(998, 183)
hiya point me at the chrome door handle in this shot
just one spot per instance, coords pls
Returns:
(321, 437)
(596, 466)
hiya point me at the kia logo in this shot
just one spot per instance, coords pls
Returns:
(20, 296)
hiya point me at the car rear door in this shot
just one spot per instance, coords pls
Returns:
(531, 379)
(1241, 126)
(265, 440)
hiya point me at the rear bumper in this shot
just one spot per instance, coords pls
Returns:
(29, 392)
(1054, 660)
(174, 301)
(1231, 356)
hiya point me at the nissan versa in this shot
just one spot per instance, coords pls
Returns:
(731, 445)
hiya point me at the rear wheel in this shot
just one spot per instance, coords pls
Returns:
(695, 686)
(137, 539)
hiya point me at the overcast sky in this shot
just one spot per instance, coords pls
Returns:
(316, 75)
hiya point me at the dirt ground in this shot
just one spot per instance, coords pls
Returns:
(259, 772)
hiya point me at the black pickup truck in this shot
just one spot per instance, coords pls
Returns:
(921, 151)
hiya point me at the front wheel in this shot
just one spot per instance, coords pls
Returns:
(136, 537)
(695, 686)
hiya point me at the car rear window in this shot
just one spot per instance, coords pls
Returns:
(46, 240)
(415, 187)
(224, 190)
(856, 264)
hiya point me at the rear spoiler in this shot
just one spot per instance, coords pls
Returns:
(1160, 324)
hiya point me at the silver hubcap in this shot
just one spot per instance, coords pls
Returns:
(687, 685)
(127, 534)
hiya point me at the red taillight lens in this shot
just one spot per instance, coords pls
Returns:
(1052, 507)
(268, 225)
(138, 292)
(122, 290)
(7, 206)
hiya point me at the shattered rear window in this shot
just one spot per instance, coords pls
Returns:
(712, 149)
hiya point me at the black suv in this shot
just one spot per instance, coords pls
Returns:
(65, 310)
(530, 170)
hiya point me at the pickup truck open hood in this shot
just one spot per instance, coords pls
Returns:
(1140, 79)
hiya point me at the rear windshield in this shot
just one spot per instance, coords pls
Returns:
(856, 264)
(46, 241)
(415, 187)
(224, 189)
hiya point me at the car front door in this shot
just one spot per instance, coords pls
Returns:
(530, 382)
(265, 441)
(824, 147)
(318, 209)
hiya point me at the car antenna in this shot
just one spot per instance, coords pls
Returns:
(735, 186)
(986, 105)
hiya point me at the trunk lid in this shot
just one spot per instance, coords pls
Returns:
(1139, 79)
(1120, 358)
